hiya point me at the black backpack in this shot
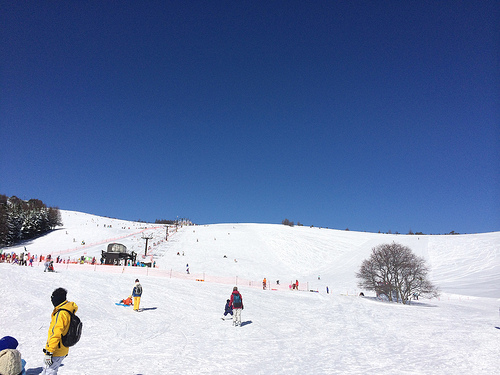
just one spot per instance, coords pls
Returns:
(74, 331)
(138, 290)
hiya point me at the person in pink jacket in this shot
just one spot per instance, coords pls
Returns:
(236, 301)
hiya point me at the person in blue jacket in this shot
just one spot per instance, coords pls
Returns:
(228, 309)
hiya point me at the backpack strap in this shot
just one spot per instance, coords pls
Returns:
(70, 313)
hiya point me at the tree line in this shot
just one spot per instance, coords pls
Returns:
(22, 220)
(178, 221)
(165, 221)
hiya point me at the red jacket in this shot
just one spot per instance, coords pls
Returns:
(236, 305)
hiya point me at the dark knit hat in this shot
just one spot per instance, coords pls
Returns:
(8, 342)
(10, 362)
(58, 296)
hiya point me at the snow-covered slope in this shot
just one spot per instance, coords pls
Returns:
(284, 332)
(461, 264)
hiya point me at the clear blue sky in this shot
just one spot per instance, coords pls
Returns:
(343, 114)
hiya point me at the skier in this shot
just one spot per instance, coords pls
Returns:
(137, 293)
(228, 309)
(236, 302)
(54, 349)
(264, 283)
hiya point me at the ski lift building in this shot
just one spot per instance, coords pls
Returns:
(116, 253)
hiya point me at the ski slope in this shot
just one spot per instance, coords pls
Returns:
(283, 332)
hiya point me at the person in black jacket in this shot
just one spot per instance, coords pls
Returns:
(137, 293)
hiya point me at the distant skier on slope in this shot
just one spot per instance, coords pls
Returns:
(236, 302)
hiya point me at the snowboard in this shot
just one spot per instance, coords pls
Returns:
(121, 304)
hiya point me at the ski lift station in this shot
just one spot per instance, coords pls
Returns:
(116, 253)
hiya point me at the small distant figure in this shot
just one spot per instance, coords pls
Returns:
(235, 261)
(361, 294)
(415, 296)
(137, 293)
(319, 278)
(228, 309)
(277, 282)
(264, 283)
(327, 290)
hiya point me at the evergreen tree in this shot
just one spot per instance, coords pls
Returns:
(22, 220)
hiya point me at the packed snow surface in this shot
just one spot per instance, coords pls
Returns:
(310, 331)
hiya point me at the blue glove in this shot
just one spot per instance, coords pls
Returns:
(48, 358)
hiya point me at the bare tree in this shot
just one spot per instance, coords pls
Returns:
(394, 270)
